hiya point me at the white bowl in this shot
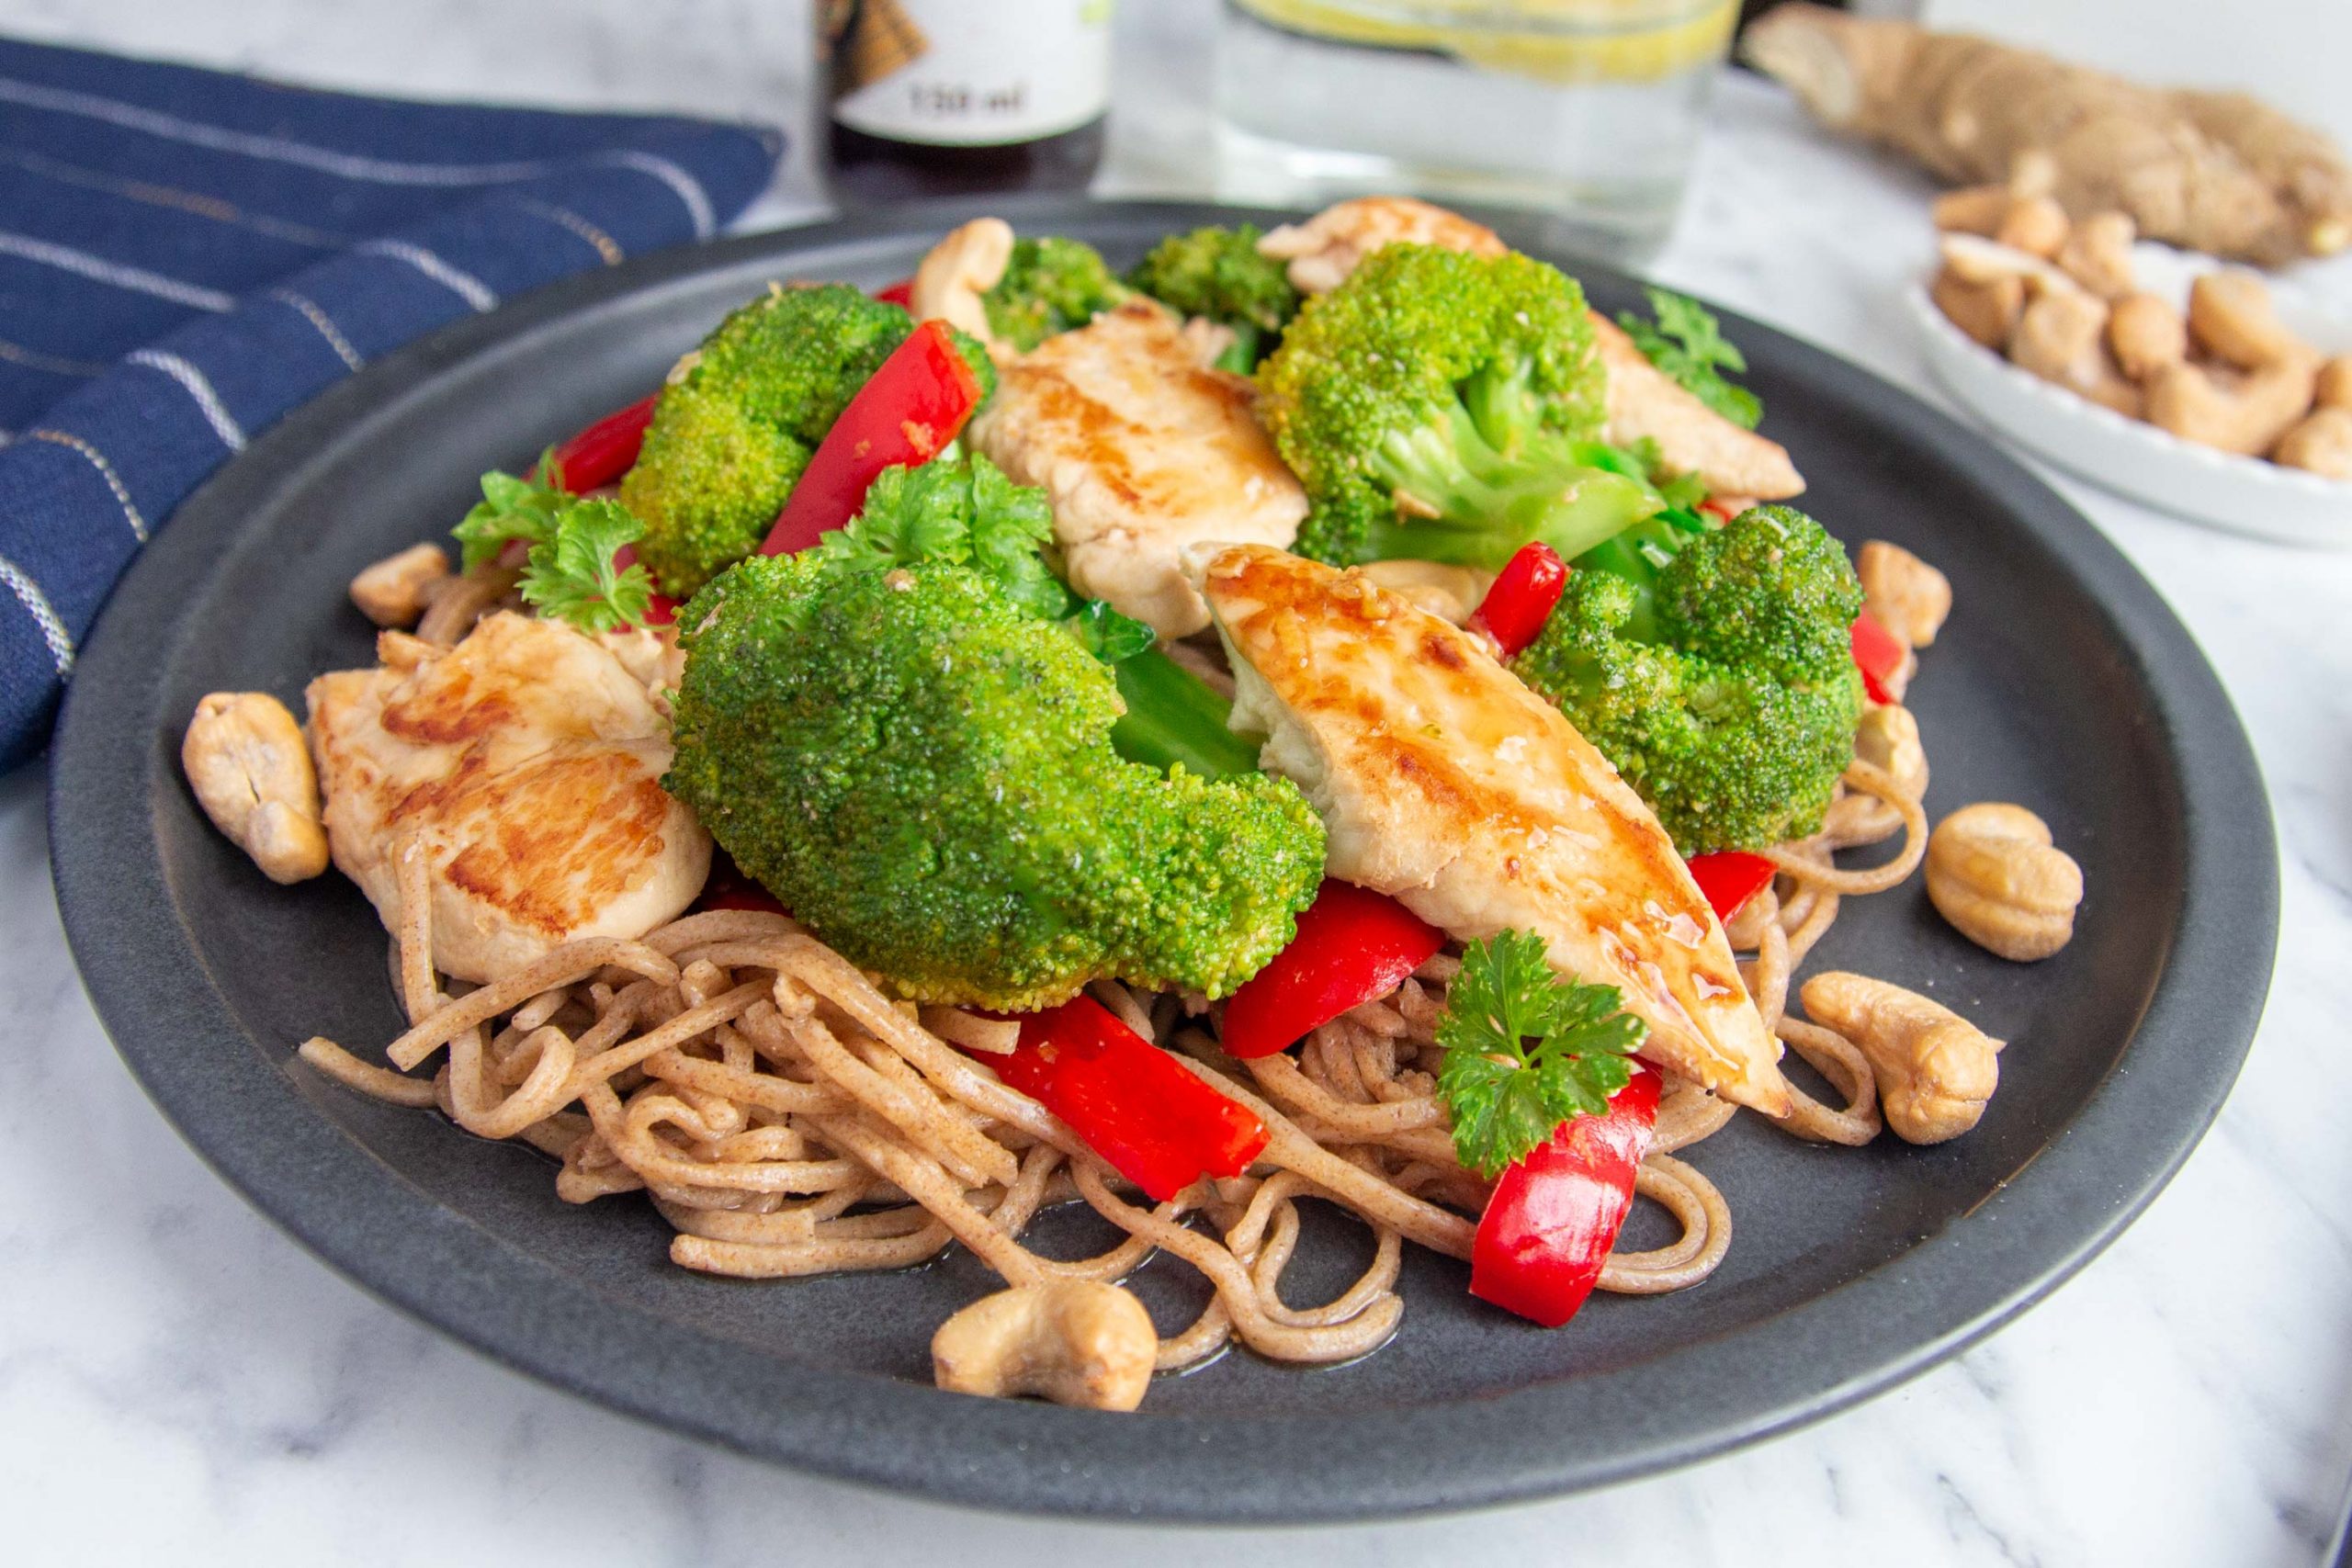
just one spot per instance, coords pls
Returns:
(2135, 458)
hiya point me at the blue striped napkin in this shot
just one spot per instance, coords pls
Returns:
(185, 256)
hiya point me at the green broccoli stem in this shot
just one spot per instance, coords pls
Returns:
(1173, 716)
(1488, 504)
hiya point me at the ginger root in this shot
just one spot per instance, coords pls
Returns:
(2215, 172)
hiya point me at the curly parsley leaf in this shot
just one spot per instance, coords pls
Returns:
(963, 513)
(1687, 342)
(574, 575)
(1525, 1050)
(511, 509)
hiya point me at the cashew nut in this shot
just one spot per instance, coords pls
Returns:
(1072, 1341)
(2061, 338)
(1993, 872)
(1888, 739)
(245, 758)
(2036, 225)
(2146, 334)
(966, 264)
(2098, 254)
(1981, 261)
(2230, 317)
(1973, 209)
(1908, 597)
(2321, 443)
(395, 591)
(1935, 1069)
(2332, 388)
(2244, 411)
(1985, 312)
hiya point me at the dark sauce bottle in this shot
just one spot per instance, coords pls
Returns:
(945, 97)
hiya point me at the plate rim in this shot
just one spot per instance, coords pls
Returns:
(333, 1195)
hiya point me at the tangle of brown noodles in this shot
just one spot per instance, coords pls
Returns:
(787, 1118)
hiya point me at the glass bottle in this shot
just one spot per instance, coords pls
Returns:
(942, 97)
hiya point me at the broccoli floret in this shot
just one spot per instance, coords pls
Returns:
(1437, 406)
(1713, 667)
(1051, 285)
(923, 772)
(729, 438)
(1218, 274)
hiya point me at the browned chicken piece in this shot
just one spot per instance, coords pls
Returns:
(1691, 438)
(1326, 248)
(529, 759)
(1144, 452)
(1443, 781)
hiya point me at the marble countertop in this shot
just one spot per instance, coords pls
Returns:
(179, 1383)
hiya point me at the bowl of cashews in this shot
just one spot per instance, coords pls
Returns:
(2196, 388)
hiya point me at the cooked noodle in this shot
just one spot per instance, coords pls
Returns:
(787, 1118)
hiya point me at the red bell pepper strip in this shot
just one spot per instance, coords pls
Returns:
(913, 405)
(605, 450)
(1720, 510)
(1548, 1228)
(1879, 654)
(1729, 878)
(902, 293)
(1135, 1105)
(1521, 599)
(1353, 945)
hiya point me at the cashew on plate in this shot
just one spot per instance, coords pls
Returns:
(250, 767)
(1072, 1341)
(1935, 1069)
(1994, 873)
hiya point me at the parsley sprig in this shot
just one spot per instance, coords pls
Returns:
(572, 572)
(1688, 344)
(1526, 1048)
(576, 576)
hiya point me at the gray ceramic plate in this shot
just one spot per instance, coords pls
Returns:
(2061, 683)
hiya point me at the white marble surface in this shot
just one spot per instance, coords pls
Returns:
(179, 1382)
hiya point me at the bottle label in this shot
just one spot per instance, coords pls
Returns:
(967, 72)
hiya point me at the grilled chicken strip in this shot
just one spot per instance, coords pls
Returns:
(1326, 248)
(1144, 452)
(1691, 438)
(1642, 400)
(1445, 781)
(529, 759)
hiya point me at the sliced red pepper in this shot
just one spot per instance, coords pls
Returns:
(605, 450)
(902, 293)
(912, 406)
(1135, 1105)
(1353, 945)
(1729, 878)
(1554, 1214)
(1717, 509)
(1522, 600)
(1879, 654)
